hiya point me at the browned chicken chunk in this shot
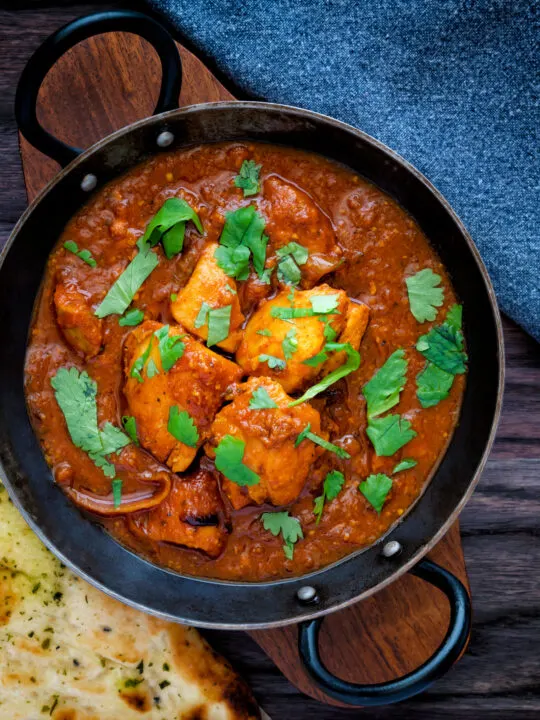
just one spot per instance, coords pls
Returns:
(191, 515)
(279, 346)
(81, 328)
(292, 215)
(269, 435)
(195, 384)
(209, 284)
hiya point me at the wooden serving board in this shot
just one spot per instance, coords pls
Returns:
(106, 83)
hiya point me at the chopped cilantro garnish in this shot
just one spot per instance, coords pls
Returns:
(375, 489)
(131, 318)
(123, 290)
(443, 345)
(76, 393)
(242, 235)
(261, 400)
(85, 255)
(169, 226)
(289, 344)
(289, 527)
(329, 333)
(320, 305)
(132, 682)
(382, 391)
(182, 427)
(306, 434)
(324, 304)
(117, 492)
(433, 385)
(390, 433)
(298, 252)
(174, 297)
(202, 315)
(351, 364)
(152, 369)
(219, 321)
(171, 348)
(288, 271)
(405, 464)
(138, 366)
(274, 363)
(333, 483)
(265, 332)
(424, 294)
(248, 178)
(229, 461)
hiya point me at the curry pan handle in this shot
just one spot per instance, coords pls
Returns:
(61, 41)
(413, 683)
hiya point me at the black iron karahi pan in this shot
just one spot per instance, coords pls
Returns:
(83, 545)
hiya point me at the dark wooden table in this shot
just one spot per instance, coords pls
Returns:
(499, 677)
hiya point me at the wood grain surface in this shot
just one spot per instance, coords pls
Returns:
(498, 678)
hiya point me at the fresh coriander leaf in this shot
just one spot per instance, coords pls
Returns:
(306, 434)
(433, 385)
(324, 304)
(289, 344)
(168, 225)
(130, 426)
(123, 290)
(329, 333)
(351, 364)
(84, 255)
(332, 486)
(219, 322)
(112, 439)
(424, 294)
(171, 348)
(76, 393)
(138, 366)
(297, 251)
(103, 464)
(234, 261)
(261, 400)
(390, 433)
(202, 315)
(288, 271)
(174, 297)
(375, 489)
(382, 391)
(264, 332)
(152, 369)
(229, 461)
(290, 313)
(443, 345)
(248, 178)
(182, 427)
(131, 318)
(289, 527)
(405, 464)
(454, 317)
(317, 359)
(230, 289)
(274, 363)
(117, 492)
(242, 233)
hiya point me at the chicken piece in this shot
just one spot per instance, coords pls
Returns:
(305, 333)
(269, 435)
(81, 328)
(196, 383)
(211, 285)
(191, 516)
(356, 322)
(292, 215)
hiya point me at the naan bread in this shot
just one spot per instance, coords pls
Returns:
(69, 652)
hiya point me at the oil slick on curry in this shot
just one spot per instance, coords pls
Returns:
(245, 359)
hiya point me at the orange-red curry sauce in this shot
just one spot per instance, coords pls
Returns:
(382, 245)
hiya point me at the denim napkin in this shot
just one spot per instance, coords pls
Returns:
(452, 85)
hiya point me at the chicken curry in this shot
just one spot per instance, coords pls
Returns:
(245, 361)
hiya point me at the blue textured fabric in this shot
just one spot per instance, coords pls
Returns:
(452, 85)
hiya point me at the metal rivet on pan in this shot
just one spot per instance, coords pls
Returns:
(165, 138)
(88, 182)
(391, 548)
(307, 594)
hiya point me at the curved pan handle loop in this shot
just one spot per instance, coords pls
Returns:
(61, 41)
(413, 683)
